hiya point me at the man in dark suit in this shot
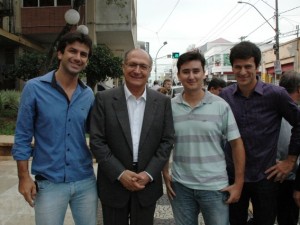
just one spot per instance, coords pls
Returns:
(131, 136)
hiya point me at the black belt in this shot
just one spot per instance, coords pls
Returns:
(135, 166)
(40, 177)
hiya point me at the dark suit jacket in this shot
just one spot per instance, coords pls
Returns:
(111, 144)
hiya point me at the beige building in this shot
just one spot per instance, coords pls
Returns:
(289, 59)
(34, 25)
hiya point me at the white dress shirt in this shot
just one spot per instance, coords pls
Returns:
(136, 109)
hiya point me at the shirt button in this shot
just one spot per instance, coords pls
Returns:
(69, 120)
(68, 134)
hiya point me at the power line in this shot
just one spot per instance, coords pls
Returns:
(168, 17)
(234, 18)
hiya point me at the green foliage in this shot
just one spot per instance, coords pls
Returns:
(9, 104)
(8, 72)
(7, 126)
(102, 65)
(29, 65)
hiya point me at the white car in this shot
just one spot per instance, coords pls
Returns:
(177, 90)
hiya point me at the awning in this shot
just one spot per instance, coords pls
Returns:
(7, 38)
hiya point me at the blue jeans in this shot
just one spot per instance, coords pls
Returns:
(52, 201)
(188, 203)
(263, 195)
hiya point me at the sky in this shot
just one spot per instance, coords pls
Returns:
(183, 23)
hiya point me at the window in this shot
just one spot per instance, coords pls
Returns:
(43, 3)
(30, 3)
(63, 2)
(46, 3)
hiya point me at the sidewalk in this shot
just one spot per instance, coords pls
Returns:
(15, 210)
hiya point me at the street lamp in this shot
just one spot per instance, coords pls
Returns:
(277, 66)
(156, 59)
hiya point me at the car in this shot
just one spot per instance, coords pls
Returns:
(177, 90)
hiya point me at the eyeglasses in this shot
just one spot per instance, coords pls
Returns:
(143, 67)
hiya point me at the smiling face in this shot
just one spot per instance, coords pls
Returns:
(245, 73)
(136, 69)
(74, 58)
(191, 75)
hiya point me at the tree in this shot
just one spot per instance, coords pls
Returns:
(29, 65)
(102, 65)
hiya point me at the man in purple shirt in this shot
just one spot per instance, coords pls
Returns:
(258, 109)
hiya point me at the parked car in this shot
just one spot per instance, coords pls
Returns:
(177, 90)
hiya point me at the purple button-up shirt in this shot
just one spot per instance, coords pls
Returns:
(259, 117)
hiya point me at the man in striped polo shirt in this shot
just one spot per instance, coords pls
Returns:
(199, 180)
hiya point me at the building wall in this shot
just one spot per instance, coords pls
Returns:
(37, 20)
(288, 54)
(217, 59)
(115, 24)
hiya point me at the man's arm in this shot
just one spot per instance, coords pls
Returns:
(26, 185)
(291, 113)
(168, 181)
(162, 154)
(238, 155)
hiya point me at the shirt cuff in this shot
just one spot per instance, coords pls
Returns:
(151, 178)
(119, 177)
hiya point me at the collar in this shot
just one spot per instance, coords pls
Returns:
(128, 93)
(50, 78)
(258, 87)
(207, 98)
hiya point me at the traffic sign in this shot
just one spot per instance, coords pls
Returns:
(277, 67)
(175, 55)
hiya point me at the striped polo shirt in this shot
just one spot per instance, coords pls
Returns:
(198, 157)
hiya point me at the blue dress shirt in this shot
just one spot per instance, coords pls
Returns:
(259, 117)
(60, 152)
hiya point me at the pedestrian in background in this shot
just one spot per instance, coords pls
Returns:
(132, 136)
(258, 108)
(156, 85)
(54, 109)
(287, 210)
(216, 85)
(199, 180)
(167, 84)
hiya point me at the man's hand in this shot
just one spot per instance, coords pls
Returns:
(144, 178)
(130, 180)
(281, 169)
(26, 185)
(28, 189)
(168, 182)
(234, 193)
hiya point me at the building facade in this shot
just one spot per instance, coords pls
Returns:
(289, 60)
(33, 25)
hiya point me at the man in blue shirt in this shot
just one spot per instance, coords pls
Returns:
(54, 110)
(258, 109)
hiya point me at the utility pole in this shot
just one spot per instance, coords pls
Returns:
(277, 64)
